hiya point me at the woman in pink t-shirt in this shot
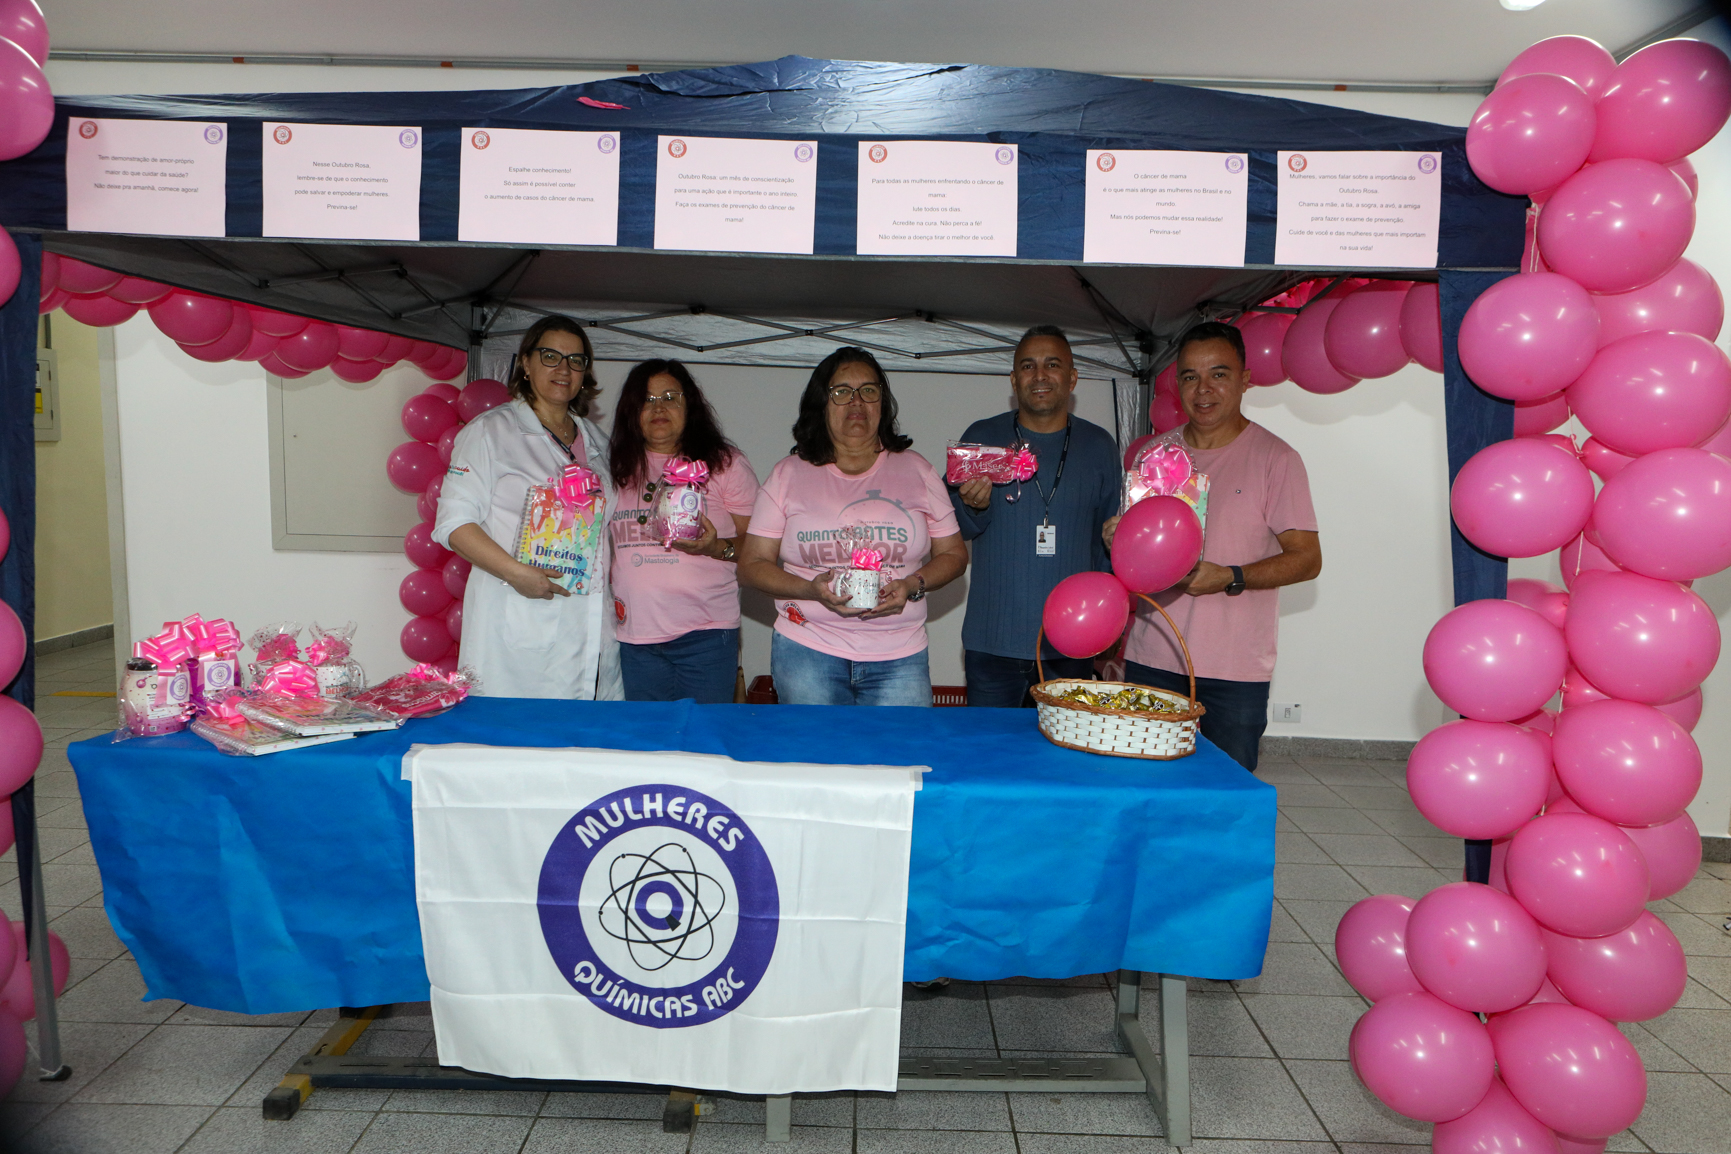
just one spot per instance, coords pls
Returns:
(676, 606)
(851, 485)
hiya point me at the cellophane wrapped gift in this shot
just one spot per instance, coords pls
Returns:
(1161, 468)
(152, 700)
(562, 528)
(423, 691)
(677, 513)
(998, 464)
(173, 672)
(223, 725)
(213, 658)
(863, 581)
(339, 674)
(312, 716)
(272, 644)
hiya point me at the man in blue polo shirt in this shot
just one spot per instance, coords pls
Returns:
(1027, 537)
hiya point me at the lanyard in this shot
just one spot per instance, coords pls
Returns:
(563, 447)
(1045, 497)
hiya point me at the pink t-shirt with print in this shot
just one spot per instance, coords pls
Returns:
(661, 593)
(1257, 488)
(811, 508)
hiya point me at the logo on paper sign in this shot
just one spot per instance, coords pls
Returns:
(213, 134)
(802, 152)
(659, 905)
(607, 142)
(408, 138)
(1106, 162)
(282, 135)
(1296, 162)
(878, 153)
(87, 129)
(676, 148)
(480, 139)
(1427, 164)
(1235, 164)
(1005, 155)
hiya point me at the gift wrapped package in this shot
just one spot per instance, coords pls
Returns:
(679, 499)
(338, 673)
(153, 700)
(998, 464)
(1165, 469)
(863, 580)
(561, 528)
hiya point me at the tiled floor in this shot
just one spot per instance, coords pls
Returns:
(1269, 1073)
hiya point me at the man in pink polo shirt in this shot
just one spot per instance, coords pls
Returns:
(1261, 534)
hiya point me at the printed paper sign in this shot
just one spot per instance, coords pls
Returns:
(522, 186)
(1359, 209)
(669, 918)
(1156, 207)
(937, 198)
(158, 177)
(724, 194)
(342, 181)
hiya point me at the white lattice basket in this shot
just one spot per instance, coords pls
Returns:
(1120, 732)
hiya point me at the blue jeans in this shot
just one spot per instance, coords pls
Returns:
(701, 665)
(1003, 682)
(1237, 710)
(803, 676)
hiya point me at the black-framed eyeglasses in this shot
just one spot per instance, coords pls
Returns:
(844, 394)
(550, 359)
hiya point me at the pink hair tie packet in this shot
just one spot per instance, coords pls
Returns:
(999, 464)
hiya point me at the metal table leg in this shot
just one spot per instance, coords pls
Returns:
(1167, 1073)
(778, 1118)
(35, 901)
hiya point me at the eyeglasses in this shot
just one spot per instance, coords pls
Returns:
(550, 358)
(844, 394)
(677, 400)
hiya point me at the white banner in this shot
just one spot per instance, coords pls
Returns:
(155, 177)
(1358, 209)
(346, 181)
(1158, 207)
(667, 918)
(525, 186)
(936, 198)
(727, 194)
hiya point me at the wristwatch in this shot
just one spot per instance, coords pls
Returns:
(1237, 585)
(727, 550)
(920, 593)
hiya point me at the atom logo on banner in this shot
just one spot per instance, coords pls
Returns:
(1005, 155)
(480, 140)
(282, 135)
(659, 904)
(408, 138)
(803, 152)
(87, 129)
(1235, 164)
(606, 142)
(213, 134)
(1427, 164)
(1296, 162)
(878, 154)
(1106, 162)
(676, 148)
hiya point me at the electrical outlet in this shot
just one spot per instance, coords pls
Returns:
(1287, 712)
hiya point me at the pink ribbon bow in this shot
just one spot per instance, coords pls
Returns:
(867, 558)
(225, 710)
(578, 490)
(1164, 469)
(212, 638)
(327, 649)
(170, 647)
(290, 678)
(281, 647)
(426, 672)
(684, 471)
(1023, 466)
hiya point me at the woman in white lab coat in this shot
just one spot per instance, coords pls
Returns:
(525, 634)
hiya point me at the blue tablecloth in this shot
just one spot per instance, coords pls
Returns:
(286, 882)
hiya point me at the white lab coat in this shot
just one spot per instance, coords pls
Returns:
(518, 646)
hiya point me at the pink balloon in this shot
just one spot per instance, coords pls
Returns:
(1654, 391)
(425, 418)
(99, 312)
(1497, 1125)
(355, 344)
(422, 352)
(276, 324)
(1618, 225)
(1422, 1057)
(1304, 356)
(52, 300)
(1421, 326)
(83, 279)
(456, 575)
(13, 647)
(1165, 413)
(259, 345)
(1370, 945)
(311, 349)
(454, 620)
(423, 593)
(1577, 874)
(5, 535)
(479, 396)
(10, 946)
(1547, 600)
(1584, 61)
(192, 318)
(443, 390)
(1085, 613)
(1534, 418)
(1541, 721)
(1685, 711)
(425, 638)
(1685, 299)
(412, 466)
(227, 347)
(25, 96)
(1664, 102)
(396, 348)
(1582, 556)
(1493, 660)
(425, 552)
(1578, 691)
(18, 994)
(1158, 541)
(1625, 762)
(11, 268)
(1640, 639)
(1604, 461)
(22, 22)
(20, 745)
(1521, 498)
(14, 1052)
(7, 833)
(1475, 948)
(1528, 336)
(1570, 1067)
(1264, 333)
(50, 275)
(1531, 133)
(447, 442)
(1672, 852)
(428, 504)
(1568, 1144)
(1668, 515)
(449, 363)
(446, 665)
(1362, 336)
(356, 372)
(138, 291)
(1478, 779)
(1166, 380)
(1632, 976)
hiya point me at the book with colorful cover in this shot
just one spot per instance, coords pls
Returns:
(313, 716)
(560, 536)
(249, 739)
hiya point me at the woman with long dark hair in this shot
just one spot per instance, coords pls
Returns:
(676, 604)
(851, 488)
(535, 629)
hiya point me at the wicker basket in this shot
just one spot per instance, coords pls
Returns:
(1119, 732)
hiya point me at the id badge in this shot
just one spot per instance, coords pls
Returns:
(1045, 541)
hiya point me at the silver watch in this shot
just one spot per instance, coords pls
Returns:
(920, 593)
